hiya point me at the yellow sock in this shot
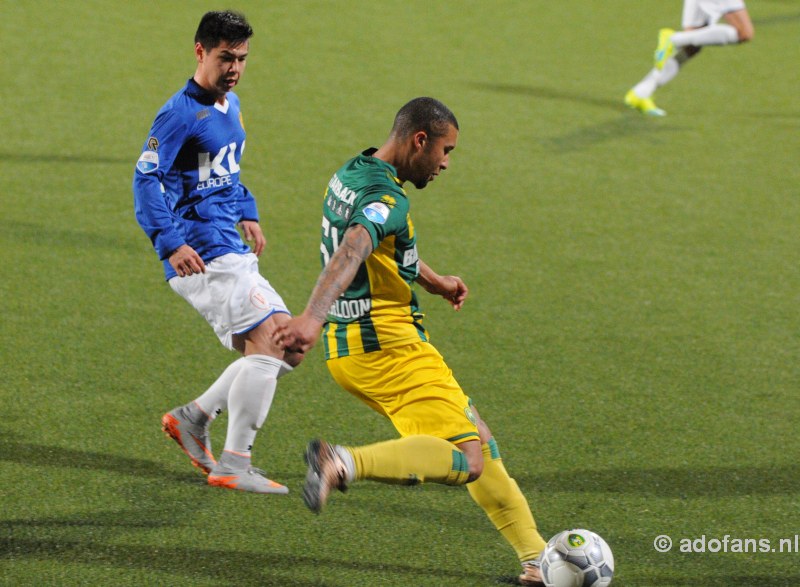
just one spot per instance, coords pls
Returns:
(500, 497)
(411, 460)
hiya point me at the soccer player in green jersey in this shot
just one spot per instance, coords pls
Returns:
(376, 347)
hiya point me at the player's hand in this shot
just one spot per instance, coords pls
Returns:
(454, 290)
(299, 334)
(185, 261)
(253, 234)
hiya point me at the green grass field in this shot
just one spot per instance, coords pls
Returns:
(632, 334)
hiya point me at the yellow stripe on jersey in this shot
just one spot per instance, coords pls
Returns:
(354, 336)
(330, 338)
(391, 297)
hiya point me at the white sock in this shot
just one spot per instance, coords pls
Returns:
(349, 462)
(648, 85)
(286, 368)
(716, 34)
(249, 401)
(215, 399)
(659, 77)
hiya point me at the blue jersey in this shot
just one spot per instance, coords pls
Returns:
(186, 185)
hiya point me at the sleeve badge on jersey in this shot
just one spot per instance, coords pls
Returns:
(377, 212)
(148, 162)
(152, 144)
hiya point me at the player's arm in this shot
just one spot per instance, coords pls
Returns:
(302, 332)
(153, 213)
(249, 220)
(450, 287)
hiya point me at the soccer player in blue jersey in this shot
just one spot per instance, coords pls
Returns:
(189, 201)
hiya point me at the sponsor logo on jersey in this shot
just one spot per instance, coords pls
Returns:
(350, 309)
(204, 113)
(148, 162)
(212, 173)
(341, 191)
(152, 144)
(377, 212)
(389, 200)
(339, 208)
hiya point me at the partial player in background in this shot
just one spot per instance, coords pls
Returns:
(189, 201)
(701, 27)
(377, 348)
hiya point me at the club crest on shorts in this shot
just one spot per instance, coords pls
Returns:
(470, 416)
(258, 299)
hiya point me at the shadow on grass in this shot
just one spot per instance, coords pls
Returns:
(627, 125)
(684, 482)
(723, 581)
(88, 159)
(228, 567)
(777, 18)
(546, 93)
(58, 238)
(55, 456)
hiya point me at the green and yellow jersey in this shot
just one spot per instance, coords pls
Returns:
(379, 309)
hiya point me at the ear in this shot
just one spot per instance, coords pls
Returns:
(420, 140)
(199, 52)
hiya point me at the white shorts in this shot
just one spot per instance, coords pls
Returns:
(231, 295)
(700, 13)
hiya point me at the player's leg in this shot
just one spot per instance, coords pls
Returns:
(243, 309)
(704, 29)
(249, 401)
(701, 28)
(740, 20)
(498, 494)
(413, 387)
(189, 425)
(668, 62)
(403, 461)
(640, 97)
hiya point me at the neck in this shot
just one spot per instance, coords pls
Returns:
(208, 87)
(394, 155)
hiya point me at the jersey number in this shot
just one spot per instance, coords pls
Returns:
(331, 232)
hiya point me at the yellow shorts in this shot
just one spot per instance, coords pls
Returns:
(413, 387)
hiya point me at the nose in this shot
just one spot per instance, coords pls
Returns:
(445, 163)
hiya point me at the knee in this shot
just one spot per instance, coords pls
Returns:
(475, 468)
(746, 34)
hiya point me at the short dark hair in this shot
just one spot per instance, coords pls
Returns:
(216, 27)
(426, 114)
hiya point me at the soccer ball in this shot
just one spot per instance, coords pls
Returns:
(577, 558)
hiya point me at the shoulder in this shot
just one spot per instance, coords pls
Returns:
(370, 175)
(187, 105)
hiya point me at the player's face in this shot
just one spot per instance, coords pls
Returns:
(220, 69)
(433, 156)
